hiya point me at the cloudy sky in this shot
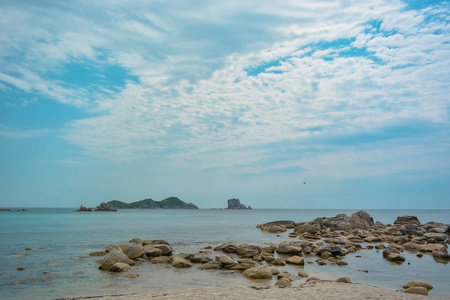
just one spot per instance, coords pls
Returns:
(211, 100)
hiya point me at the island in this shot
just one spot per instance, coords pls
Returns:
(236, 204)
(169, 203)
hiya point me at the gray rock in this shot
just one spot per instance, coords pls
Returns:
(104, 207)
(119, 267)
(236, 204)
(258, 272)
(227, 248)
(226, 261)
(166, 249)
(438, 237)
(179, 262)
(285, 248)
(211, 265)
(248, 250)
(114, 256)
(283, 282)
(134, 252)
(296, 260)
(407, 220)
(151, 251)
(333, 249)
(361, 219)
(389, 250)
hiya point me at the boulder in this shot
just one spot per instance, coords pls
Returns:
(274, 228)
(226, 261)
(104, 207)
(288, 224)
(432, 247)
(441, 254)
(296, 260)
(161, 259)
(82, 209)
(438, 237)
(341, 262)
(285, 248)
(166, 249)
(151, 251)
(135, 240)
(303, 274)
(283, 282)
(131, 276)
(211, 265)
(275, 271)
(333, 249)
(248, 250)
(114, 256)
(279, 262)
(417, 290)
(407, 220)
(119, 267)
(179, 262)
(388, 251)
(155, 242)
(134, 252)
(321, 262)
(258, 272)
(418, 283)
(344, 280)
(361, 219)
(227, 248)
(396, 257)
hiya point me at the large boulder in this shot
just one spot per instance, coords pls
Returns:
(236, 204)
(226, 261)
(396, 257)
(438, 237)
(227, 248)
(151, 251)
(134, 252)
(418, 283)
(389, 250)
(114, 256)
(333, 249)
(361, 219)
(258, 272)
(285, 248)
(179, 262)
(407, 220)
(166, 249)
(248, 250)
(104, 207)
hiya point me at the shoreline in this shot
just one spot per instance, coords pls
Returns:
(320, 289)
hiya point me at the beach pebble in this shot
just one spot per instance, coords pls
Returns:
(344, 280)
(416, 290)
(418, 283)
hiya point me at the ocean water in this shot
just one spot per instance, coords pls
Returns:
(63, 240)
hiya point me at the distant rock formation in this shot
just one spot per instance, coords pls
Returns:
(7, 209)
(236, 204)
(169, 203)
(104, 207)
(82, 208)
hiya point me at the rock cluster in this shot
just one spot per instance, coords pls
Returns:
(102, 207)
(236, 204)
(7, 209)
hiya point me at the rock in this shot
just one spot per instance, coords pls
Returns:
(310, 228)
(312, 279)
(123, 247)
(296, 260)
(417, 290)
(303, 274)
(407, 220)
(438, 237)
(151, 251)
(321, 262)
(361, 219)
(97, 253)
(135, 240)
(119, 267)
(83, 209)
(248, 251)
(341, 262)
(396, 257)
(411, 246)
(162, 259)
(134, 252)
(114, 256)
(179, 262)
(344, 280)
(372, 239)
(226, 261)
(441, 254)
(155, 242)
(278, 262)
(131, 276)
(283, 282)
(432, 247)
(258, 272)
(418, 283)
(274, 228)
(334, 250)
(227, 248)
(275, 271)
(211, 265)
(388, 251)
(104, 207)
(287, 224)
(236, 204)
(20, 268)
(166, 249)
(285, 248)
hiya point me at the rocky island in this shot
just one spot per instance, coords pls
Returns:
(102, 207)
(169, 203)
(236, 204)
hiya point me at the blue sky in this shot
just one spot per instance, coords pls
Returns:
(211, 100)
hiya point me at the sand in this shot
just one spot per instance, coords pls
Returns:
(320, 290)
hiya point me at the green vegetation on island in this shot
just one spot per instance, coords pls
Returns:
(169, 203)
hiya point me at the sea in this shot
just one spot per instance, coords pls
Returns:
(60, 265)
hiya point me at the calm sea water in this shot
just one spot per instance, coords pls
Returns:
(64, 238)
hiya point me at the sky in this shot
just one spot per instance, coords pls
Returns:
(212, 100)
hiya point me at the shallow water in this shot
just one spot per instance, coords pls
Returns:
(66, 237)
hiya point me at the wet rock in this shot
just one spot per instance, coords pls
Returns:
(344, 280)
(312, 279)
(248, 250)
(418, 283)
(226, 261)
(285, 248)
(135, 240)
(179, 262)
(283, 282)
(275, 271)
(97, 253)
(333, 249)
(258, 272)
(119, 267)
(411, 246)
(131, 276)
(166, 249)
(432, 247)
(162, 260)
(211, 265)
(341, 262)
(303, 274)
(227, 248)
(20, 268)
(388, 251)
(296, 260)
(396, 257)
(417, 290)
(288, 224)
(321, 262)
(246, 261)
(372, 239)
(438, 237)
(151, 251)
(114, 256)
(274, 228)
(441, 254)
(134, 252)
(279, 262)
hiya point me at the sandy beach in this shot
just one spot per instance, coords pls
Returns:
(322, 290)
